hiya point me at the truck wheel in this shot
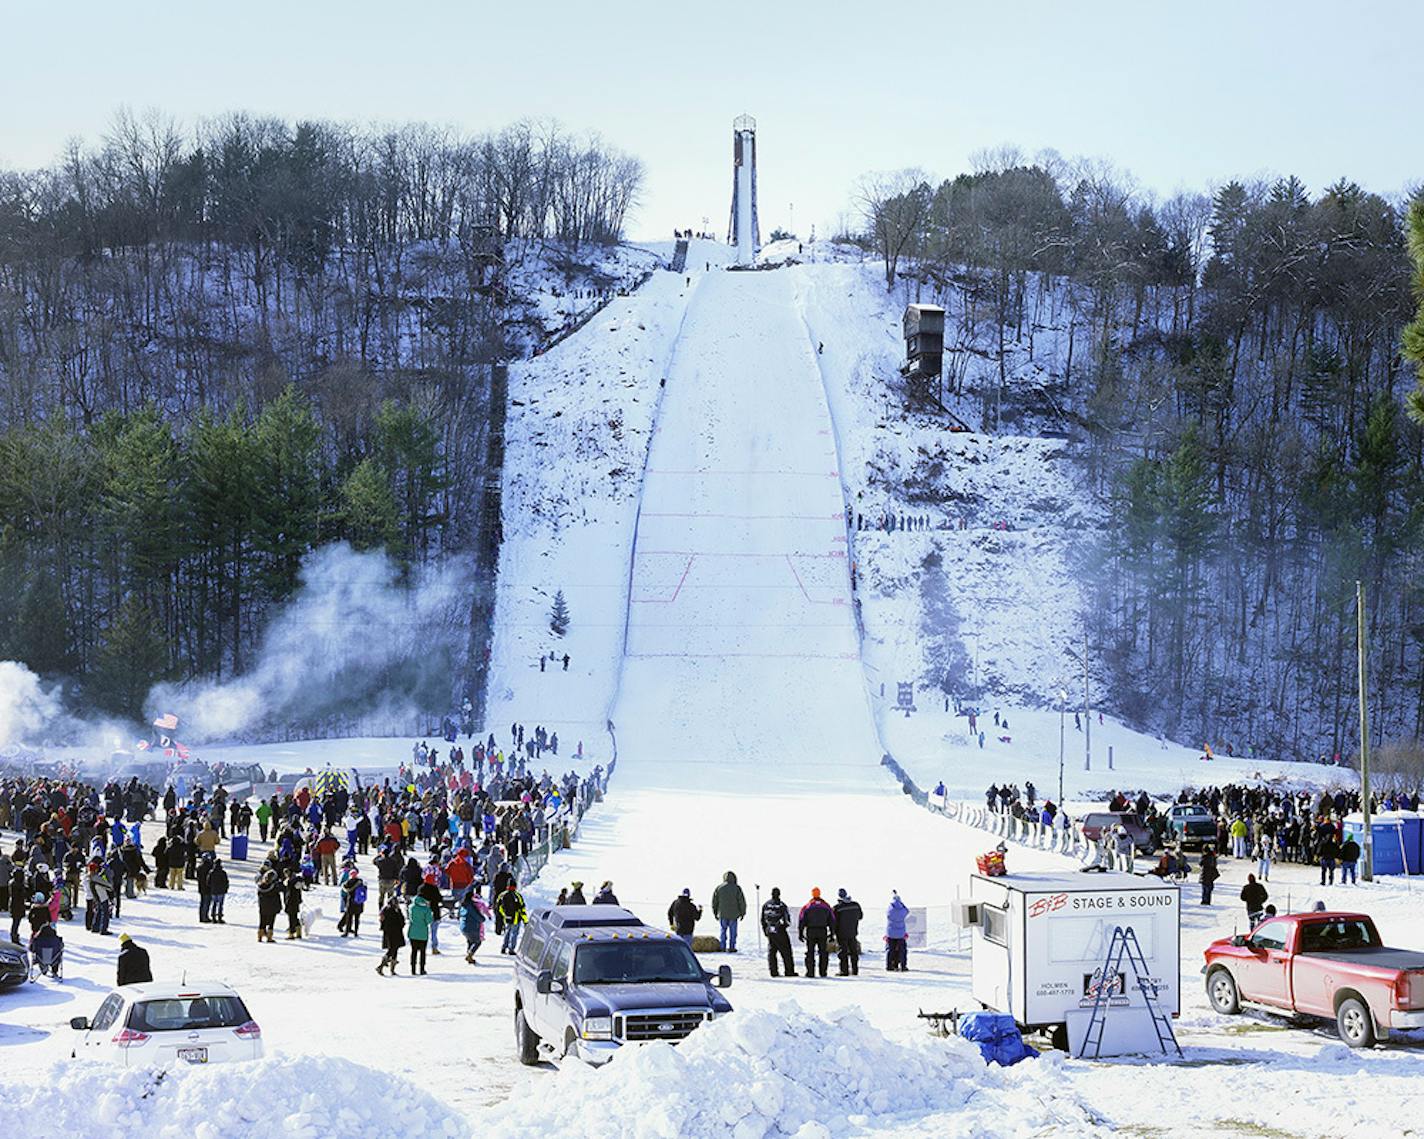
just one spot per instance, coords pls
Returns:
(1356, 1026)
(526, 1043)
(1059, 1037)
(1221, 992)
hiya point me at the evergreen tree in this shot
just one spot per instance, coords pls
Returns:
(1413, 338)
(131, 659)
(559, 615)
(370, 518)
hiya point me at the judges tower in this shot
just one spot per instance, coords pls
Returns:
(744, 232)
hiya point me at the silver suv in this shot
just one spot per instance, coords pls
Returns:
(589, 979)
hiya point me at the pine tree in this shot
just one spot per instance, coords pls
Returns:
(1413, 338)
(369, 515)
(559, 617)
(132, 657)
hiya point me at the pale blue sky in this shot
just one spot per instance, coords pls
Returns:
(1181, 94)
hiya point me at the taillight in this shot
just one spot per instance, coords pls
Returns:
(249, 1031)
(128, 1038)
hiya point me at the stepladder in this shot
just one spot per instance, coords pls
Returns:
(1125, 965)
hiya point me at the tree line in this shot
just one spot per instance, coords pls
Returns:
(220, 348)
(1230, 365)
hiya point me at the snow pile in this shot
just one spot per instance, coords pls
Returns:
(300, 1097)
(758, 1074)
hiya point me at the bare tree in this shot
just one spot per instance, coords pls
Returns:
(895, 206)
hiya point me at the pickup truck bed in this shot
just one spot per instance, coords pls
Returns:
(1381, 958)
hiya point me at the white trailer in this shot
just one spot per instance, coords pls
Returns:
(1039, 943)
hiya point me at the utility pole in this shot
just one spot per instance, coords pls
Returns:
(1087, 711)
(1062, 712)
(1369, 842)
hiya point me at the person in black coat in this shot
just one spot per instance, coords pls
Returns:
(776, 924)
(217, 889)
(410, 878)
(292, 903)
(813, 926)
(18, 907)
(160, 862)
(1254, 895)
(392, 935)
(269, 904)
(134, 967)
(848, 917)
(683, 915)
(1207, 873)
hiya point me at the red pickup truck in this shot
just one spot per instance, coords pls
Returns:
(1323, 964)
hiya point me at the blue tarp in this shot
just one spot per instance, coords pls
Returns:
(998, 1037)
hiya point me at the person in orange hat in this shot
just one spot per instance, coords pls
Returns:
(813, 926)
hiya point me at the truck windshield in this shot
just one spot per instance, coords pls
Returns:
(1338, 935)
(621, 963)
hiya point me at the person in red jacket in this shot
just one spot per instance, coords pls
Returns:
(813, 926)
(460, 872)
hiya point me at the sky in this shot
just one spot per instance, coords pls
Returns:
(1183, 96)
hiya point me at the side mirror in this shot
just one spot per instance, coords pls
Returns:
(724, 977)
(544, 983)
(79, 1023)
(1238, 940)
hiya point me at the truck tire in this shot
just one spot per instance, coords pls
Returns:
(1354, 1023)
(1221, 992)
(526, 1043)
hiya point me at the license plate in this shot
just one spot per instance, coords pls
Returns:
(193, 1055)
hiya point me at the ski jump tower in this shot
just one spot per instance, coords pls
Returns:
(744, 232)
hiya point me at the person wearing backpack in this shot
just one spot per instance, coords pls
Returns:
(353, 894)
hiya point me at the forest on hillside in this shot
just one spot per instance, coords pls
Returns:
(1229, 365)
(222, 348)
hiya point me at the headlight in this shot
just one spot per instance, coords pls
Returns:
(598, 1028)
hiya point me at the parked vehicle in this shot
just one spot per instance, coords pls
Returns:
(160, 1025)
(589, 979)
(14, 964)
(1095, 823)
(1328, 965)
(1190, 825)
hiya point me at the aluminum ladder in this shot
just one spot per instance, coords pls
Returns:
(1124, 944)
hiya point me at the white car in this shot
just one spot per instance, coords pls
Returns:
(161, 1025)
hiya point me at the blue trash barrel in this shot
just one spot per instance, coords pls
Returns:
(239, 848)
(1413, 841)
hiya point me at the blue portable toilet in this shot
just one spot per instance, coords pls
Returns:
(1413, 841)
(1390, 840)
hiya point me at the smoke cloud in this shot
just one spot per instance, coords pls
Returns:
(355, 649)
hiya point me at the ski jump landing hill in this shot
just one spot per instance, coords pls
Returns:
(745, 736)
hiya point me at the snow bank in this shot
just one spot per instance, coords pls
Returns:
(300, 1097)
(758, 1074)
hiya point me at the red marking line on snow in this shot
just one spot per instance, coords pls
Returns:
(756, 656)
(755, 474)
(748, 517)
(811, 600)
(668, 600)
(731, 554)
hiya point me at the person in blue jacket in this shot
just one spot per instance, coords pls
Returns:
(896, 939)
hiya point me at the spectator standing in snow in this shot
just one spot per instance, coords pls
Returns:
(1254, 895)
(683, 915)
(1262, 854)
(133, 964)
(1349, 860)
(269, 904)
(392, 935)
(813, 926)
(217, 891)
(776, 924)
(1329, 849)
(418, 930)
(848, 918)
(729, 906)
(1208, 873)
(353, 895)
(510, 908)
(897, 939)
(473, 913)
(605, 895)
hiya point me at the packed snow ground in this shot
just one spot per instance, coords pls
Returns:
(748, 740)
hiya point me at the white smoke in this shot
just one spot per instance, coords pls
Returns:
(354, 641)
(29, 712)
